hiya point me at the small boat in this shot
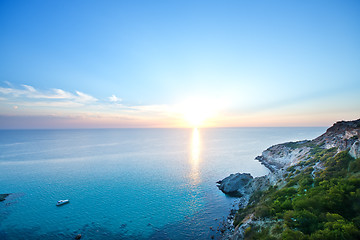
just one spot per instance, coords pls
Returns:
(62, 202)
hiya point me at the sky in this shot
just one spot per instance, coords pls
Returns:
(120, 64)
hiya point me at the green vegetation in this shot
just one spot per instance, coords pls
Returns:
(313, 205)
(294, 145)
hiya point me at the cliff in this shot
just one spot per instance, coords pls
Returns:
(289, 164)
(342, 135)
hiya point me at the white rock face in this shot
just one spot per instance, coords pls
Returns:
(280, 155)
(340, 135)
(350, 134)
(355, 150)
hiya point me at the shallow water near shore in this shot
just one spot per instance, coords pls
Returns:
(126, 183)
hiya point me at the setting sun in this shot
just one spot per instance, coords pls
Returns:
(196, 117)
(197, 111)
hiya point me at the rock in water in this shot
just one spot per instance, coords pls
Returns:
(235, 183)
(3, 196)
(78, 236)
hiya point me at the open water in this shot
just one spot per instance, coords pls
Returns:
(126, 183)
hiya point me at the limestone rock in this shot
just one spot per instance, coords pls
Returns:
(281, 155)
(341, 135)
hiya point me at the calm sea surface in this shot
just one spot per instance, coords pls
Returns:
(126, 183)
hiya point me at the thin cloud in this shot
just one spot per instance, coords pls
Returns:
(27, 95)
(61, 94)
(151, 108)
(31, 101)
(57, 104)
(114, 98)
(30, 96)
(29, 88)
(12, 91)
(8, 83)
(32, 93)
(82, 97)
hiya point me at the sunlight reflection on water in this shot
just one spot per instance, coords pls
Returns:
(195, 157)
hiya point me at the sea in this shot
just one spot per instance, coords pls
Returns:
(127, 183)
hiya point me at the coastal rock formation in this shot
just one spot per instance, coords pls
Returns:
(235, 184)
(281, 155)
(341, 135)
(284, 159)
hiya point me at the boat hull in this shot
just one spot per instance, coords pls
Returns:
(62, 202)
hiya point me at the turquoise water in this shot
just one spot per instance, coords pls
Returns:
(126, 183)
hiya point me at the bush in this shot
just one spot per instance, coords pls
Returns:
(289, 234)
(304, 221)
(277, 229)
(306, 182)
(355, 165)
(262, 211)
(339, 229)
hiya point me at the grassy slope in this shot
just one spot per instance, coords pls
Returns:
(318, 199)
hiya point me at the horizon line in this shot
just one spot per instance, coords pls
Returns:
(119, 128)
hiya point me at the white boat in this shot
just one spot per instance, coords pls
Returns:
(62, 202)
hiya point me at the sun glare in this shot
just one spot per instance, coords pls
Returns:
(195, 117)
(196, 112)
(195, 157)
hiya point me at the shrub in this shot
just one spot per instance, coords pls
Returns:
(354, 166)
(289, 234)
(262, 211)
(304, 221)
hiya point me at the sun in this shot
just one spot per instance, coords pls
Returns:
(195, 116)
(197, 111)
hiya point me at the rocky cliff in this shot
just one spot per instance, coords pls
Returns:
(342, 135)
(284, 159)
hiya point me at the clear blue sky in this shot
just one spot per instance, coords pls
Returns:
(130, 63)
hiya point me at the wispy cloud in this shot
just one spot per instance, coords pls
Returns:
(57, 104)
(114, 98)
(152, 108)
(12, 91)
(82, 97)
(29, 96)
(8, 83)
(31, 93)
(29, 88)
(27, 100)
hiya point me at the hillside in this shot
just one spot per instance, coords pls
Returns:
(312, 192)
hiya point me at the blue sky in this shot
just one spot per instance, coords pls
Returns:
(140, 63)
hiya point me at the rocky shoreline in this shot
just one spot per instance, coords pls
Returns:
(279, 159)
